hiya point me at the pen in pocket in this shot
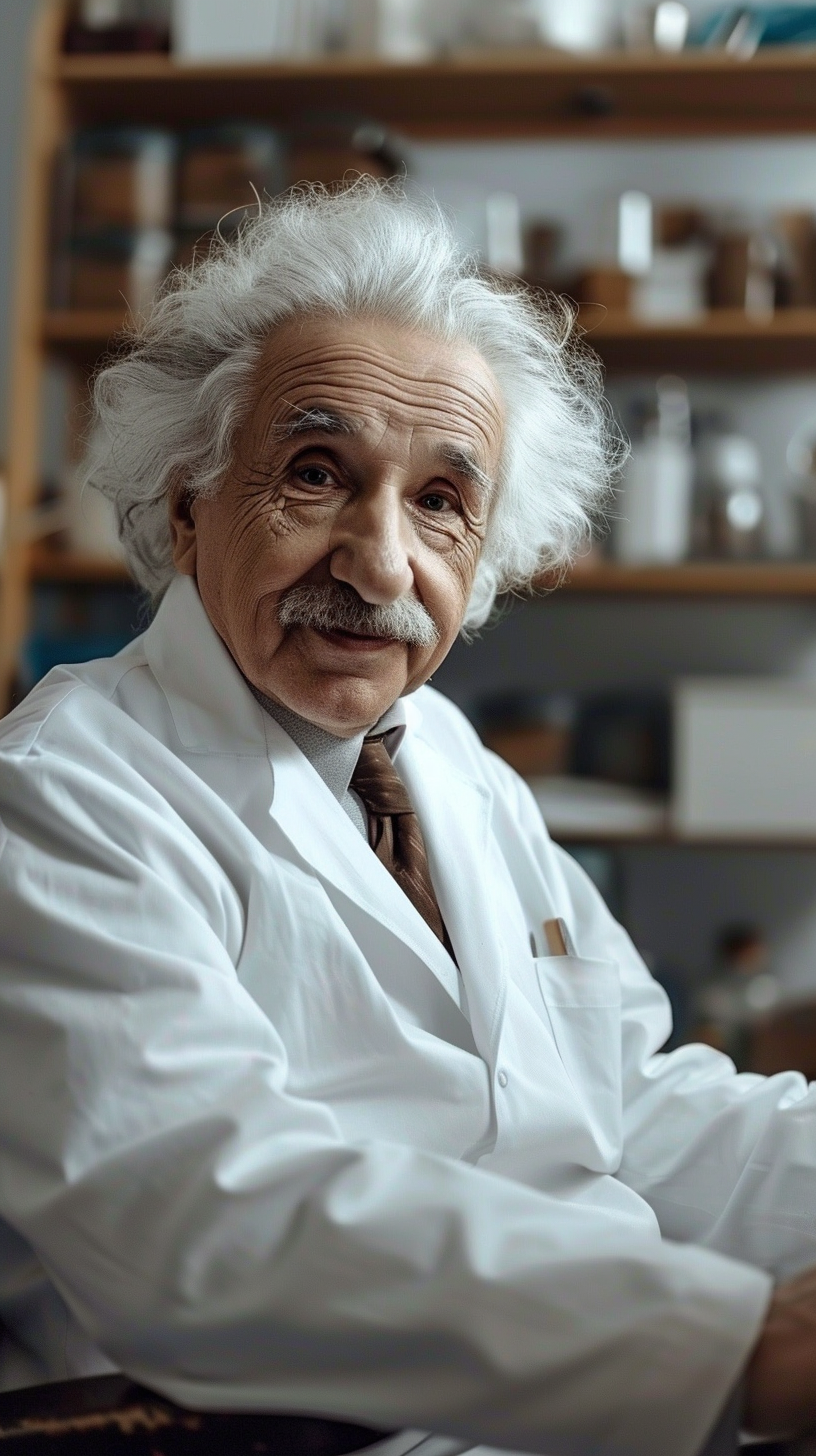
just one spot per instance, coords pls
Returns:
(558, 938)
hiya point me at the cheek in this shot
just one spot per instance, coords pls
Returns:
(456, 542)
(458, 567)
(263, 541)
(444, 587)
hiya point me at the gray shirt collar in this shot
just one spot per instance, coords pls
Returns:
(335, 759)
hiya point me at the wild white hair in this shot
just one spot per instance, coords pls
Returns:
(167, 409)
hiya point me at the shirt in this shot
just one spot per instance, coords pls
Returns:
(335, 759)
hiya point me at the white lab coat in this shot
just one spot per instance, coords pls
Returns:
(261, 1144)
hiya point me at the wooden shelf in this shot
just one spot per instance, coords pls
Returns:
(83, 325)
(669, 840)
(535, 92)
(66, 567)
(83, 335)
(761, 579)
(725, 340)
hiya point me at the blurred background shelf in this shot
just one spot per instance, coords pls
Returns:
(46, 565)
(760, 579)
(81, 326)
(724, 341)
(532, 93)
(693, 579)
(604, 838)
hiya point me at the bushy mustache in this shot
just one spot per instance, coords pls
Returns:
(335, 607)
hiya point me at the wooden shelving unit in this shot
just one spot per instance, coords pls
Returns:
(724, 341)
(670, 840)
(46, 566)
(762, 579)
(530, 93)
(498, 96)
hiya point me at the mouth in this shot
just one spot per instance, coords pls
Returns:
(354, 641)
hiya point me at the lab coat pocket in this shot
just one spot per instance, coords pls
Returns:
(583, 1001)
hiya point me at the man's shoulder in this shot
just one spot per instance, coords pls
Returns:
(74, 703)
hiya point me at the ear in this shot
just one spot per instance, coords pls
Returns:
(183, 531)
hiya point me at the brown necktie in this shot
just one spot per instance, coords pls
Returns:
(393, 831)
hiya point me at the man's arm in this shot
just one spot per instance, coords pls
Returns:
(217, 1235)
(725, 1160)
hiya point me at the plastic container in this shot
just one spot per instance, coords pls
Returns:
(218, 168)
(122, 177)
(116, 269)
(654, 510)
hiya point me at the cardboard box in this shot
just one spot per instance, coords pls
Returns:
(744, 758)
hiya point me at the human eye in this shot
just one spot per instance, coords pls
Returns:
(314, 474)
(437, 501)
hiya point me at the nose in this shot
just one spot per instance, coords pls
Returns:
(371, 547)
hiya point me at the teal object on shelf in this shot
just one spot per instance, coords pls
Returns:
(770, 25)
(42, 652)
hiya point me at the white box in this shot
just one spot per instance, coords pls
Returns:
(744, 758)
(248, 30)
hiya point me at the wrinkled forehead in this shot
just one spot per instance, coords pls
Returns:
(373, 374)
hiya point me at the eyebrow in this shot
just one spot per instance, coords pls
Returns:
(460, 459)
(317, 418)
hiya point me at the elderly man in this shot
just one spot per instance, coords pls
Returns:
(300, 1107)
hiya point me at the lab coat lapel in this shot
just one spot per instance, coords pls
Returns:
(219, 722)
(325, 838)
(454, 811)
(213, 710)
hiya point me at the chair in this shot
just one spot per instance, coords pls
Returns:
(110, 1415)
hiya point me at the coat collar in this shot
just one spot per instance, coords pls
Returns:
(455, 812)
(325, 839)
(212, 707)
(215, 713)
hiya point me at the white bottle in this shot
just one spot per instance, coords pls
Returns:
(654, 505)
(579, 25)
(505, 247)
(396, 30)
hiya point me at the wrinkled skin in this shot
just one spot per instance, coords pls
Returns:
(390, 496)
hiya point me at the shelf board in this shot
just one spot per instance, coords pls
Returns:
(68, 567)
(495, 94)
(83, 325)
(668, 839)
(761, 579)
(83, 335)
(724, 340)
(607, 578)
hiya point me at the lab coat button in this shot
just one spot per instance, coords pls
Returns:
(502, 1079)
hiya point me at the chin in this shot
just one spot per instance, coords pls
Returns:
(345, 713)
